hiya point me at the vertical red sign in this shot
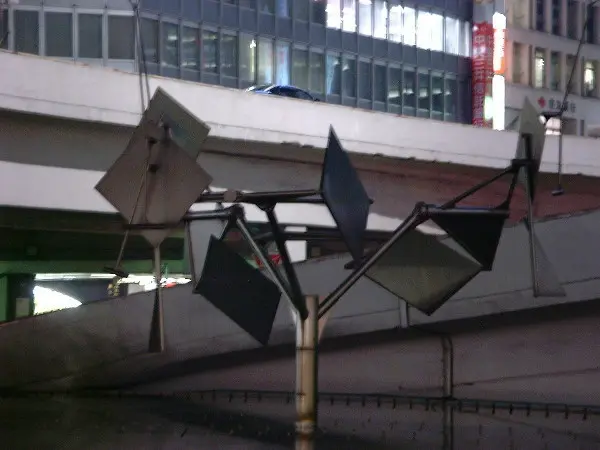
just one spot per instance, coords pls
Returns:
(482, 70)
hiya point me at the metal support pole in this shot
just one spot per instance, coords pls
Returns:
(157, 329)
(529, 194)
(307, 338)
(448, 368)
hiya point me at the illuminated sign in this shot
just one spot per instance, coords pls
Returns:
(499, 23)
(482, 72)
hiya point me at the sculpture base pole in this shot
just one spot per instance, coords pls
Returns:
(307, 337)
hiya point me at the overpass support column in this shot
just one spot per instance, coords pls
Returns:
(16, 295)
(307, 338)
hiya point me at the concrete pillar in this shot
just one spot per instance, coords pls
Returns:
(16, 296)
(548, 16)
(564, 76)
(564, 17)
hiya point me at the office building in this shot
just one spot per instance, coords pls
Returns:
(408, 58)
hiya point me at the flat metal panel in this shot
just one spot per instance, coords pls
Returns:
(334, 99)
(165, 195)
(450, 63)
(345, 195)
(190, 75)
(365, 46)
(380, 48)
(148, 5)
(170, 72)
(350, 42)
(437, 61)
(230, 16)
(318, 35)
(197, 240)
(153, 69)
(284, 28)
(266, 24)
(171, 7)
(364, 104)
(210, 78)
(248, 20)
(210, 11)
(452, 7)
(464, 66)
(379, 106)
(334, 39)
(240, 291)
(190, 10)
(301, 31)
(423, 57)
(349, 101)
(229, 82)
(409, 55)
(423, 271)
(395, 51)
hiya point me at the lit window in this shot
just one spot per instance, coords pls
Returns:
(437, 32)
(395, 34)
(539, 76)
(365, 17)
(410, 26)
(380, 17)
(589, 79)
(452, 36)
(349, 16)
(424, 30)
(334, 14)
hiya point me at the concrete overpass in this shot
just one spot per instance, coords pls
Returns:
(56, 139)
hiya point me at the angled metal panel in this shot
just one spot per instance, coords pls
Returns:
(197, 236)
(423, 271)
(479, 234)
(530, 124)
(240, 291)
(160, 196)
(345, 196)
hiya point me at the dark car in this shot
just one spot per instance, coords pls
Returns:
(282, 91)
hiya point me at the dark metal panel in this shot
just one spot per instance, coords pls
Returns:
(409, 55)
(437, 61)
(365, 46)
(349, 42)
(395, 51)
(317, 35)
(379, 106)
(284, 28)
(423, 58)
(301, 33)
(191, 10)
(334, 39)
(153, 69)
(150, 5)
(170, 72)
(464, 65)
(210, 78)
(266, 24)
(230, 16)
(190, 75)
(248, 20)
(210, 11)
(451, 63)
(229, 82)
(380, 48)
(171, 7)
(452, 7)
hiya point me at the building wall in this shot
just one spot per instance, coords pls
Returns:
(374, 57)
(542, 41)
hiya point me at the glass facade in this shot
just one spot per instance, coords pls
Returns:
(406, 58)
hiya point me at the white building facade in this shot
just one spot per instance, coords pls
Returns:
(542, 37)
